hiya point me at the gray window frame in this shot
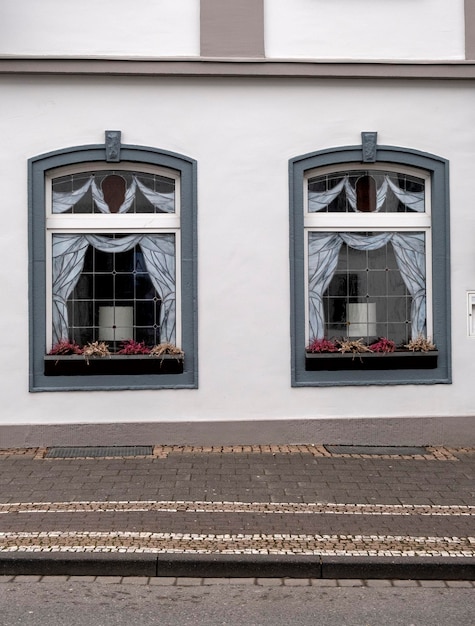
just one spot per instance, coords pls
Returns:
(38, 168)
(438, 169)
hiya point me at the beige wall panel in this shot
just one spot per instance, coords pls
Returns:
(470, 29)
(232, 29)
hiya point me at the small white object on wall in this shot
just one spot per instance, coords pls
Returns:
(471, 313)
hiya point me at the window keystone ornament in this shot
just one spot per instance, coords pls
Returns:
(369, 144)
(113, 145)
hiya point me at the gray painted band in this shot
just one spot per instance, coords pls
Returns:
(449, 70)
(453, 431)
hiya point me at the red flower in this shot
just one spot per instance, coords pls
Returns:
(322, 345)
(130, 346)
(383, 345)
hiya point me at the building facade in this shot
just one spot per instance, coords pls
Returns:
(237, 222)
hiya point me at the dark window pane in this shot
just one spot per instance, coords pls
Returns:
(146, 313)
(377, 283)
(144, 289)
(84, 287)
(377, 258)
(89, 260)
(357, 259)
(357, 285)
(124, 286)
(104, 261)
(124, 261)
(104, 286)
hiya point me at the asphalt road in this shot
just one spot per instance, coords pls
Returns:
(107, 602)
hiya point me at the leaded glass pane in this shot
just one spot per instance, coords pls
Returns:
(367, 303)
(110, 301)
(366, 191)
(366, 286)
(113, 191)
(114, 287)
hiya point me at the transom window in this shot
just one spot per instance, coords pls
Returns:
(113, 191)
(366, 191)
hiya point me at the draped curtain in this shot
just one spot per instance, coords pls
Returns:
(69, 251)
(323, 250)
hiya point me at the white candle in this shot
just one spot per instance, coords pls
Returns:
(361, 318)
(116, 323)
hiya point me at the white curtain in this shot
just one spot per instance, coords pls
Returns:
(69, 252)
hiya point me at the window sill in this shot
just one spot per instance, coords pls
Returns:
(116, 364)
(371, 361)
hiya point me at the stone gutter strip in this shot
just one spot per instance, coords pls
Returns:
(174, 506)
(279, 544)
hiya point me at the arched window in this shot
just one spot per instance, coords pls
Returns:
(113, 247)
(370, 280)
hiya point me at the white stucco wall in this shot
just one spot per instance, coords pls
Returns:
(109, 28)
(366, 29)
(242, 133)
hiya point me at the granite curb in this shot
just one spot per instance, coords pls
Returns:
(236, 566)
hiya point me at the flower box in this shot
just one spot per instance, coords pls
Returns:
(115, 364)
(400, 359)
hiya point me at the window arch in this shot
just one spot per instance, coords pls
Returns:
(113, 248)
(369, 262)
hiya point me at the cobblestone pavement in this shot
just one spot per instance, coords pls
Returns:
(240, 500)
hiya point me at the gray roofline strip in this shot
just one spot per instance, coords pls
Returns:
(451, 70)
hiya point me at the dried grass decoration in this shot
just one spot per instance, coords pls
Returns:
(162, 349)
(420, 344)
(354, 346)
(94, 349)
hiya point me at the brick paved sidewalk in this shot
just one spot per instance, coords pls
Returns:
(247, 500)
